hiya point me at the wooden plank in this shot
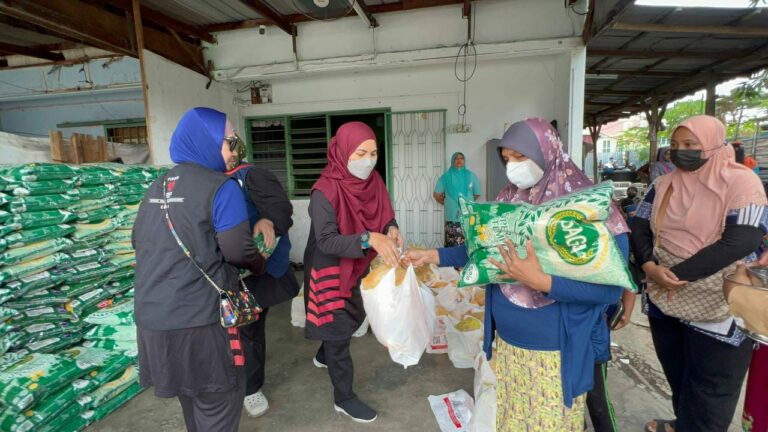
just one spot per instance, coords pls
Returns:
(592, 31)
(705, 29)
(30, 52)
(101, 143)
(597, 92)
(76, 141)
(58, 150)
(717, 55)
(90, 152)
(297, 18)
(139, 33)
(69, 62)
(640, 73)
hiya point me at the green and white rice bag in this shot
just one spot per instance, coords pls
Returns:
(90, 175)
(96, 192)
(129, 199)
(50, 344)
(112, 344)
(97, 215)
(86, 231)
(124, 260)
(127, 377)
(42, 412)
(91, 204)
(36, 376)
(89, 243)
(5, 216)
(119, 248)
(116, 332)
(7, 312)
(262, 247)
(44, 187)
(37, 298)
(120, 314)
(119, 236)
(85, 256)
(26, 268)
(39, 171)
(20, 287)
(44, 314)
(567, 233)
(27, 237)
(84, 272)
(37, 219)
(8, 341)
(41, 202)
(112, 370)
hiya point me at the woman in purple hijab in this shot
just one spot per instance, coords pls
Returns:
(551, 329)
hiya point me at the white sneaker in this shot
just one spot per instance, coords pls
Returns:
(256, 405)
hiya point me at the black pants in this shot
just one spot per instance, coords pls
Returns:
(599, 402)
(214, 412)
(254, 339)
(335, 354)
(705, 375)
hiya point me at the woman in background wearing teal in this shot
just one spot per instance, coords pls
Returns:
(457, 182)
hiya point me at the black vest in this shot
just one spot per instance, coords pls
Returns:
(170, 293)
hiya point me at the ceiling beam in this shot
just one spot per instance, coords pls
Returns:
(163, 20)
(297, 18)
(592, 31)
(707, 29)
(30, 52)
(664, 54)
(67, 62)
(72, 19)
(266, 11)
(362, 10)
(597, 92)
(640, 73)
(100, 28)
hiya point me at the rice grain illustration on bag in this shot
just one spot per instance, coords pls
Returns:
(567, 233)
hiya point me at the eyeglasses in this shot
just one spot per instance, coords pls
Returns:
(234, 142)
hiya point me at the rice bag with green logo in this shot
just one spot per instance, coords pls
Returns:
(119, 236)
(20, 287)
(50, 344)
(113, 404)
(87, 205)
(9, 359)
(120, 314)
(68, 420)
(73, 290)
(132, 189)
(86, 231)
(36, 332)
(112, 344)
(129, 210)
(116, 332)
(37, 219)
(39, 171)
(79, 304)
(85, 256)
(111, 374)
(5, 216)
(567, 233)
(96, 192)
(44, 411)
(129, 199)
(94, 175)
(41, 202)
(36, 376)
(27, 237)
(87, 244)
(37, 298)
(124, 260)
(8, 341)
(120, 248)
(126, 377)
(7, 312)
(44, 187)
(262, 247)
(44, 314)
(84, 272)
(4, 198)
(97, 215)
(27, 268)
(123, 273)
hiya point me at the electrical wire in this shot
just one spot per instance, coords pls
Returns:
(463, 53)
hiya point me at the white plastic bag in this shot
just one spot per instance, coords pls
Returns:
(362, 330)
(485, 376)
(463, 347)
(453, 411)
(298, 314)
(484, 413)
(402, 317)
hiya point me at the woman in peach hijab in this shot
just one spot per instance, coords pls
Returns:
(695, 223)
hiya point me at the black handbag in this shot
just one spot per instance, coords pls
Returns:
(237, 307)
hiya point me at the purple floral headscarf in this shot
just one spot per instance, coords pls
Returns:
(539, 141)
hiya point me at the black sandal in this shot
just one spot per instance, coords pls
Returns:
(661, 425)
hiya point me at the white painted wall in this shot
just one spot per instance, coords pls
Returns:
(172, 90)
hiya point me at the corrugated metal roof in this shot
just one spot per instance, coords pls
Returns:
(203, 12)
(694, 56)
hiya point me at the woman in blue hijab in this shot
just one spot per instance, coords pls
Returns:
(457, 182)
(184, 351)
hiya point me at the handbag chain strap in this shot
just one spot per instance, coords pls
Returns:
(178, 240)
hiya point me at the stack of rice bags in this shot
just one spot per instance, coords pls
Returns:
(66, 255)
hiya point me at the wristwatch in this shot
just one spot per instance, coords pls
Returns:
(364, 238)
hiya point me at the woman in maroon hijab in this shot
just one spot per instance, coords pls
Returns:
(352, 222)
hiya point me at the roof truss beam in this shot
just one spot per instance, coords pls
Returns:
(716, 55)
(696, 29)
(7, 48)
(266, 11)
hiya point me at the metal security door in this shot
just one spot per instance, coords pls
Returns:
(415, 161)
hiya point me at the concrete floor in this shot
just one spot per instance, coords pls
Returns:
(300, 395)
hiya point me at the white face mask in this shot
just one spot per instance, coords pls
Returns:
(524, 174)
(361, 168)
